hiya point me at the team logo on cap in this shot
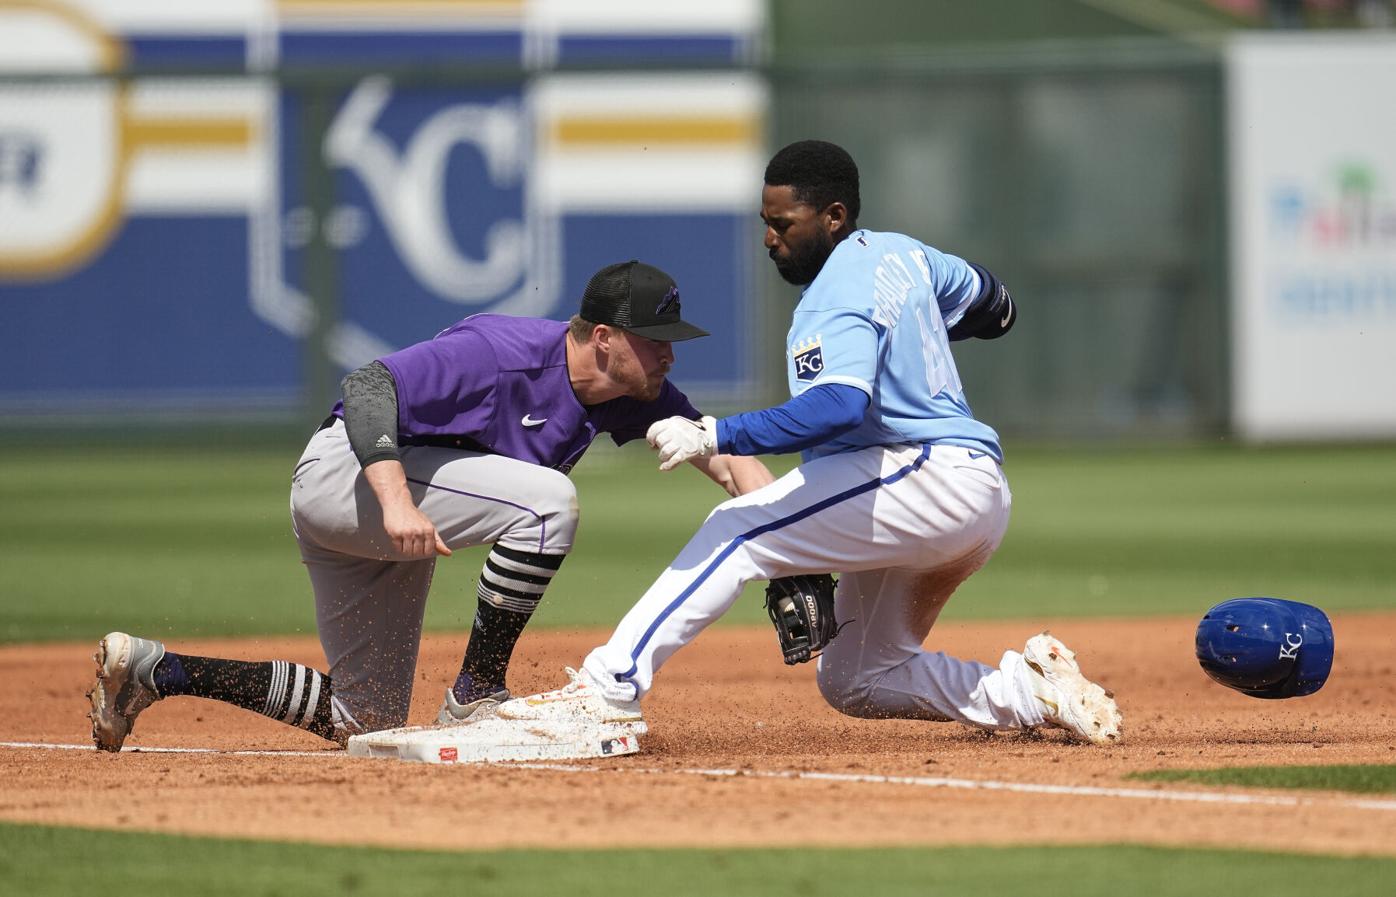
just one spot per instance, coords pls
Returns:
(670, 302)
(809, 358)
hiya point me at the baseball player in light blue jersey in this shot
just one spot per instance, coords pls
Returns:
(901, 490)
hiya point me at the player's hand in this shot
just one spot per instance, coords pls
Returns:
(412, 532)
(679, 439)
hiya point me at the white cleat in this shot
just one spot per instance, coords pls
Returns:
(581, 702)
(1068, 699)
(125, 686)
(453, 712)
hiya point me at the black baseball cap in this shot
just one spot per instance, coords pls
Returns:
(639, 298)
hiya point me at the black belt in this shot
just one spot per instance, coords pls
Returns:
(464, 443)
(443, 441)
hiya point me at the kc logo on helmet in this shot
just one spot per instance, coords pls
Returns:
(809, 359)
(1290, 649)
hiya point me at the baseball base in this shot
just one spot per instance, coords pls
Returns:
(495, 741)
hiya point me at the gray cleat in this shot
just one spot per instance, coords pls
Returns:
(125, 686)
(453, 712)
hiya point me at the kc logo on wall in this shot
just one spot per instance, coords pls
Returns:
(156, 230)
(407, 189)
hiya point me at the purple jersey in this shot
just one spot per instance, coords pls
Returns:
(499, 384)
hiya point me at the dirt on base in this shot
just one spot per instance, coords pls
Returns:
(728, 703)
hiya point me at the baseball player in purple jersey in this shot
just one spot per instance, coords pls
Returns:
(464, 439)
(901, 490)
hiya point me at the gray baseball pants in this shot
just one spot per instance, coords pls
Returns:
(369, 600)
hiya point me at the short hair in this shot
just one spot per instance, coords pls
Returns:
(818, 173)
(580, 328)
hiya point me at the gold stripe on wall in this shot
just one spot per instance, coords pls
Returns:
(654, 129)
(189, 133)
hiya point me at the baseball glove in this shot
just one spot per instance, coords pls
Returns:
(802, 609)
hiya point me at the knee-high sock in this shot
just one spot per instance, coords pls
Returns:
(294, 694)
(511, 586)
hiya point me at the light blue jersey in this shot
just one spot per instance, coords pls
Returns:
(876, 318)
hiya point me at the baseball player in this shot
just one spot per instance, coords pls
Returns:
(901, 490)
(464, 439)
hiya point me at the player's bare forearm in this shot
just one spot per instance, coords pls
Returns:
(388, 481)
(737, 474)
(748, 474)
(412, 532)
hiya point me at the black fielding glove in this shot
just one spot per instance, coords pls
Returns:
(802, 609)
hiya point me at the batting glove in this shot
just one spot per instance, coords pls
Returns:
(679, 439)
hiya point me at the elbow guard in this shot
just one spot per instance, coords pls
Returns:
(370, 413)
(991, 314)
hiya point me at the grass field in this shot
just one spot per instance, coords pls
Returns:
(184, 541)
(39, 862)
(1356, 779)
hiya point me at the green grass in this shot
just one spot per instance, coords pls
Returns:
(1359, 779)
(38, 861)
(1128, 533)
(196, 541)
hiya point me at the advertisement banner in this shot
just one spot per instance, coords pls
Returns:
(157, 230)
(1313, 216)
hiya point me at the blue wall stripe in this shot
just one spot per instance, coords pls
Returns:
(404, 47)
(431, 47)
(213, 51)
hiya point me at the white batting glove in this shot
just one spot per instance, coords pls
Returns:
(678, 439)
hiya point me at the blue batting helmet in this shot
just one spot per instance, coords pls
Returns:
(1266, 647)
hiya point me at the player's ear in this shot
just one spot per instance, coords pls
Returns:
(836, 218)
(601, 337)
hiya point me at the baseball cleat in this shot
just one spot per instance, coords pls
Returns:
(125, 686)
(580, 701)
(1068, 699)
(453, 712)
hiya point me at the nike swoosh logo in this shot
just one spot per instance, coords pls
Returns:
(1003, 322)
(975, 456)
(530, 422)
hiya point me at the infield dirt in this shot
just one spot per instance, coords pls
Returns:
(727, 702)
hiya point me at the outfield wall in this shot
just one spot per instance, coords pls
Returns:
(347, 179)
(219, 213)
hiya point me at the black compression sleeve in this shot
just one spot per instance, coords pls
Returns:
(991, 314)
(370, 413)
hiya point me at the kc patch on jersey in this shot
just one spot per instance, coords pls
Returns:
(809, 359)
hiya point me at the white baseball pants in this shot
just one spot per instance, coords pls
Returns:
(904, 526)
